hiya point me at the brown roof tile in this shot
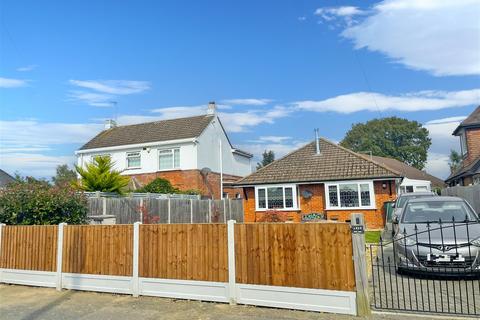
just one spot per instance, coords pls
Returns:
(409, 171)
(333, 163)
(472, 120)
(174, 129)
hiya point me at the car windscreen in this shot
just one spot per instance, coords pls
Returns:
(433, 211)
(403, 200)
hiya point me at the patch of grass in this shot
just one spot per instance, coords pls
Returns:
(372, 236)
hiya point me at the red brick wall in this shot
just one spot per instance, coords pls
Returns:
(190, 179)
(473, 146)
(375, 219)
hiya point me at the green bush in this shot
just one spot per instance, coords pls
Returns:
(30, 202)
(159, 185)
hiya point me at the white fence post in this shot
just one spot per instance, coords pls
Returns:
(191, 211)
(141, 209)
(169, 209)
(136, 253)
(1, 234)
(360, 264)
(224, 210)
(60, 255)
(231, 261)
(104, 204)
(209, 210)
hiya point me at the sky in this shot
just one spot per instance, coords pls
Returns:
(276, 69)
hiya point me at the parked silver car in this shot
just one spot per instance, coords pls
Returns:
(400, 203)
(439, 235)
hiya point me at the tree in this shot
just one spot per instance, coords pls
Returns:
(64, 175)
(267, 158)
(29, 202)
(100, 176)
(454, 161)
(159, 185)
(393, 137)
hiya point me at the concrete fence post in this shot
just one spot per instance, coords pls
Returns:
(231, 262)
(2, 225)
(169, 210)
(224, 210)
(104, 205)
(61, 227)
(360, 265)
(191, 211)
(136, 254)
(209, 210)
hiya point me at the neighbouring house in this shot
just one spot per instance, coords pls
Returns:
(322, 178)
(192, 153)
(468, 172)
(5, 179)
(414, 180)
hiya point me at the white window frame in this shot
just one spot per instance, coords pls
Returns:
(359, 182)
(463, 143)
(172, 150)
(283, 186)
(128, 154)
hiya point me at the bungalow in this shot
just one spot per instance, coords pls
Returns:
(321, 177)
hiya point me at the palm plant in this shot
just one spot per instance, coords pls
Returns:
(100, 176)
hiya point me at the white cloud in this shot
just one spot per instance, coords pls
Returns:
(33, 164)
(302, 18)
(119, 87)
(247, 102)
(340, 14)
(272, 139)
(280, 149)
(414, 101)
(242, 121)
(27, 68)
(438, 36)
(440, 131)
(92, 98)
(12, 83)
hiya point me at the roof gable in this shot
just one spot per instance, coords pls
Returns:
(158, 131)
(473, 120)
(333, 163)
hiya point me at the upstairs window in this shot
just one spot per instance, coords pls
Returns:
(463, 143)
(169, 159)
(281, 197)
(133, 160)
(350, 195)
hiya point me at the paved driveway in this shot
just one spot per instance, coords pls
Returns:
(20, 302)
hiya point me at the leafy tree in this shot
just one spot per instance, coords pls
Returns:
(267, 158)
(64, 175)
(454, 161)
(29, 202)
(100, 176)
(393, 137)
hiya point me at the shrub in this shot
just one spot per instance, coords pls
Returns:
(159, 185)
(31, 202)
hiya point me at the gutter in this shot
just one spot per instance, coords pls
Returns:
(136, 145)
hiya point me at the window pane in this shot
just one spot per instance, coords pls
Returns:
(133, 160)
(177, 158)
(349, 195)
(288, 198)
(166, 159)
(365, 194)
(261, 198)
(333, 196)
(275, 198)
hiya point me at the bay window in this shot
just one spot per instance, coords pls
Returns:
(281, 197)
(350, 195)
(133, 160)
(169, 159)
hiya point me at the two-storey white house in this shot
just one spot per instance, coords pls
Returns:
(192, 153)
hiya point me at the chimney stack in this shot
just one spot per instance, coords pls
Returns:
(109, 124)
(212, 108)
(317, 141)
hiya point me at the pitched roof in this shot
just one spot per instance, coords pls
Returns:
(473, 120)
(5, 178)
(409, 171)
(471, 169)
(165, 130)
(333, 163)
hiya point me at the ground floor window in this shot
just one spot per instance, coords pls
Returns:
(350, 195)
(278, 197)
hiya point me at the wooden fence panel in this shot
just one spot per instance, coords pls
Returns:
(184, 251)
(29, 248)
(313, 255)
(98, 249)
(470, 193)
(180, 211)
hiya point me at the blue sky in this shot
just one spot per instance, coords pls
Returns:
(277, 69)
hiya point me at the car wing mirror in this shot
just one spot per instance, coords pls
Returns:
(393, 205)
(395, 219)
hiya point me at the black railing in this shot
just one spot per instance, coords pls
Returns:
(433, 268)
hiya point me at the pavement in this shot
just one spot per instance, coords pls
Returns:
(25, 303)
